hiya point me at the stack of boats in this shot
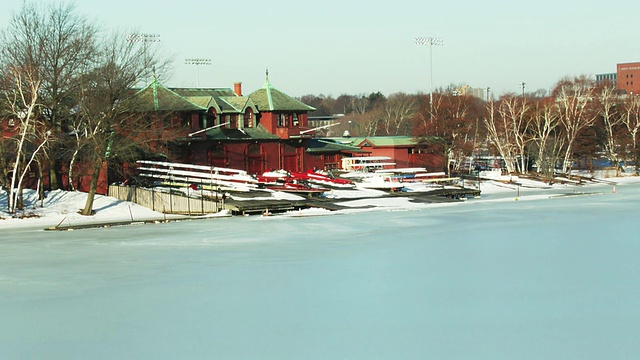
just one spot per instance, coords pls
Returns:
(379, 172)
(232, 180)
(371, 172)
(199, 176)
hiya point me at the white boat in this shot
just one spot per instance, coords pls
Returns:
(414, 174)
(178, 174)
(380, 182)
(366, 162)
(364, 166)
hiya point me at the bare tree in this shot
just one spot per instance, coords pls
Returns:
(500, 133)
(361, 104)
(574, 102)
(109, 118)
(103, 103)
(450, 130)
(548, 145)
(44, 49)
(396, 111)
(612, 119)
(68, 54)
(631, 119)
(21, 58)
(515, 114)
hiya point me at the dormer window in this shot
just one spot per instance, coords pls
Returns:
(211, 117)
(295, 121)
(248, 118)
(202, 121)
(233, 121)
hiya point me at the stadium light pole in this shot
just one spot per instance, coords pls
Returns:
(197, 62)
(431, 41)
(144, 38)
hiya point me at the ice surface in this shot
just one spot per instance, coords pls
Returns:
(543, 276)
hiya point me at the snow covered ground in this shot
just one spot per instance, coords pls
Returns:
(62, 207)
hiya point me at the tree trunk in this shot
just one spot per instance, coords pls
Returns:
(88, 207)
(40, 183)
(53, 176)
(71, 165)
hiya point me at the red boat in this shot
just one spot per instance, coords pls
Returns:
(321, 179)
(287, 182)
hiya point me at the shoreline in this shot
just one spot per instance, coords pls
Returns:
(60, 210)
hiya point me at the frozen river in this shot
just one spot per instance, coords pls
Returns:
(541, 279)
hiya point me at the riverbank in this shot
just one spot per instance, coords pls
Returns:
(60, 208)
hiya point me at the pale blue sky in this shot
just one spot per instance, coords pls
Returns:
(335, 47)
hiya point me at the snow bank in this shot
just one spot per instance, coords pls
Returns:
(62, 207)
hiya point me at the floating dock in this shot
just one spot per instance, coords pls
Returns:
(249, 207)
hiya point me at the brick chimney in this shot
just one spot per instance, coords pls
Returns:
(237, 88)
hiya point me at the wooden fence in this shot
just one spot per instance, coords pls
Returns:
(166, 202)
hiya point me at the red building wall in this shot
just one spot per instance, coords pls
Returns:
(270, 121)
(400, 156)
(629, 77)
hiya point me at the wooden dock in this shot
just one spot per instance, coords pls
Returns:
(249, 207)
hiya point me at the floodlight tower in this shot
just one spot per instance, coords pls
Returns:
(197, 62)
(145, 39)
(431, 41)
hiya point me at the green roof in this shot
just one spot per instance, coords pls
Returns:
(318, 146)
(378, 141)
(235, 103)
(271, 99)
(257, 133)
(388, 141)
(223, 100)
(156, 97)
(213, 92)
(204, 101)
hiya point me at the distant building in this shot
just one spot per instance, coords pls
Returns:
(628, 77)
(467, 90)
(612, 77)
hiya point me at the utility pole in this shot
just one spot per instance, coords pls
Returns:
(431, 41)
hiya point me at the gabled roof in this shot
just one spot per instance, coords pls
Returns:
(213, 92)
(271, 99)
(235, 103)
(318, 146)
(223, 100)
(384, 141)
(204, 101)
(156, 97)
(257, 133)
(378, 141)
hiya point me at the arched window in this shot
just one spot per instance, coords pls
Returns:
(248, 118)
(212, 117)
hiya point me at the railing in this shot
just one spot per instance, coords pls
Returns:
(166, 202)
